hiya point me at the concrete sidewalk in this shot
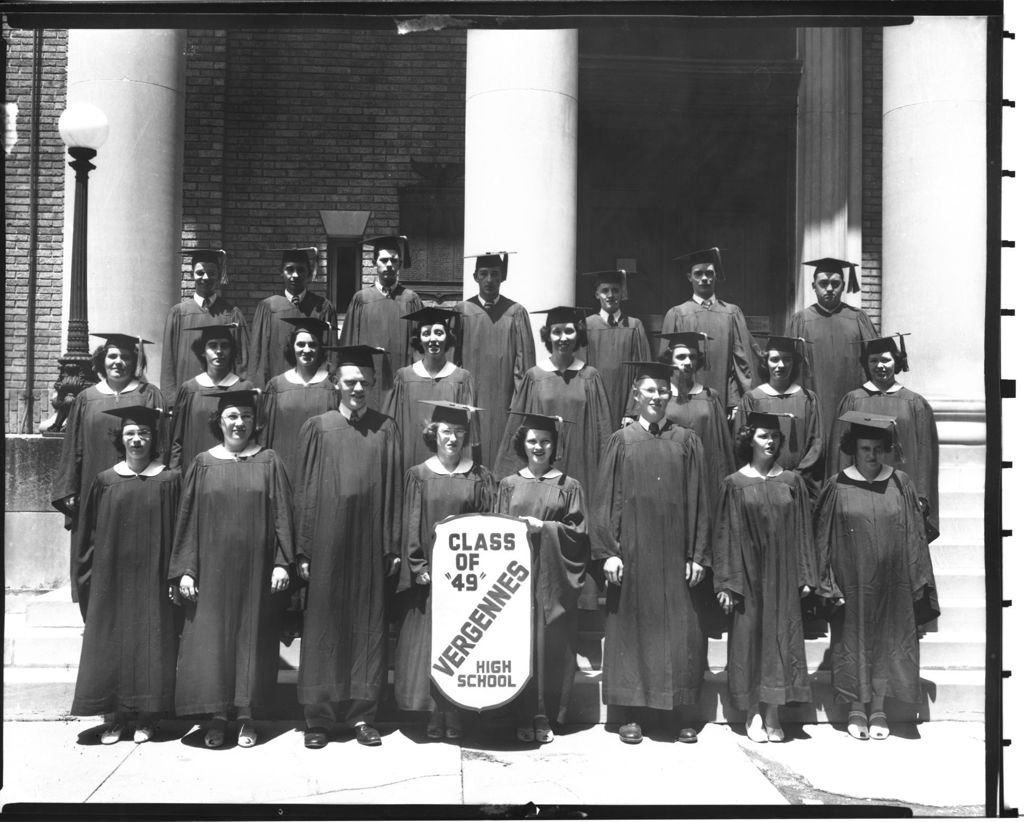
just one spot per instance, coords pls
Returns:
(935, 768)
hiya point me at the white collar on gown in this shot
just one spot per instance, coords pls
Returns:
(293, 377)
(547, 365)
(151, 470)
(420, 370)
(104, 388)
(434, 464)
(222, 453)
(749, 470)
(551, 473)
(892, 389)
(206, 380)
(852, 472)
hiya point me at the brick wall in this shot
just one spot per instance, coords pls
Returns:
(871, 237)
(46, 339)
(310, 120)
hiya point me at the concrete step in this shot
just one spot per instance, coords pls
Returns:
(962, 529)
(47, 693)
(54, 609)
(960, 616)
(962, 503)
(951, 557)
(962, 584)
(951, 695)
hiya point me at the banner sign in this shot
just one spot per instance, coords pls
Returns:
(481, 640)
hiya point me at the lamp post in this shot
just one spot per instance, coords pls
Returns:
(83, 128)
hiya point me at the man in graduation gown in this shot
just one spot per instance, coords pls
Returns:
(374, 316)
(348, 531)
(652, 533)
(496, 347)
(613, 338)
(728, 363)
(206, 306)
(269, 331)
(835, 331)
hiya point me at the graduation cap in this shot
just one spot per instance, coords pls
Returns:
(431, 315)
(655, 370)
(137, 414)
(209, 255)
(562, 314)
(541, 422)
(392, 242)
(789, 345)
(215, 331)
(830, 265)
(691, 339)
(887, 344)
(316, 327)
(704, 255)
(453, 413)
(615, 276)
(868, 426)
(772, 421)
(242, 397)
(357, 355)
(121, 340)
(492, 259)
(307, 256)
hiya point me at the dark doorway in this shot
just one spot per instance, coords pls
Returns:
(687, 141)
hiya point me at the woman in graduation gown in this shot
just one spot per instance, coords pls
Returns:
(552, 504)
(764, 562)
(120, 363)
(303, 391)
(233, 545)
(214, 346)
(876, 566)
(433, 377)
(780, 364)
(448, 483)
(698, 407)
(917, 453)
(128, 646)
(561, 385)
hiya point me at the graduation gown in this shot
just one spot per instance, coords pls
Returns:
(729, 353)
(873, 553)
(833, 360)
(128, 646)
(919, 440)
(190, 431)
(234, 525)
(87, 450)
(703, 413)
(650, 509)
(560, 554)
(576, 395)
(347, 517)
(764, 552)
(411, 384)
(496, 347)
(804, 448)
(607, 348)
(429, 498)
(179, 362)
(287, 404)
(270, 334)
(373, 319)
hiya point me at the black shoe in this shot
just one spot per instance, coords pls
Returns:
(367, 735)
(688, 735)
(631, 734)
(315, 738)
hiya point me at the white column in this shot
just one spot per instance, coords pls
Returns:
(521, 129)
(829, 139)
(137, 77)
(934, 201)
